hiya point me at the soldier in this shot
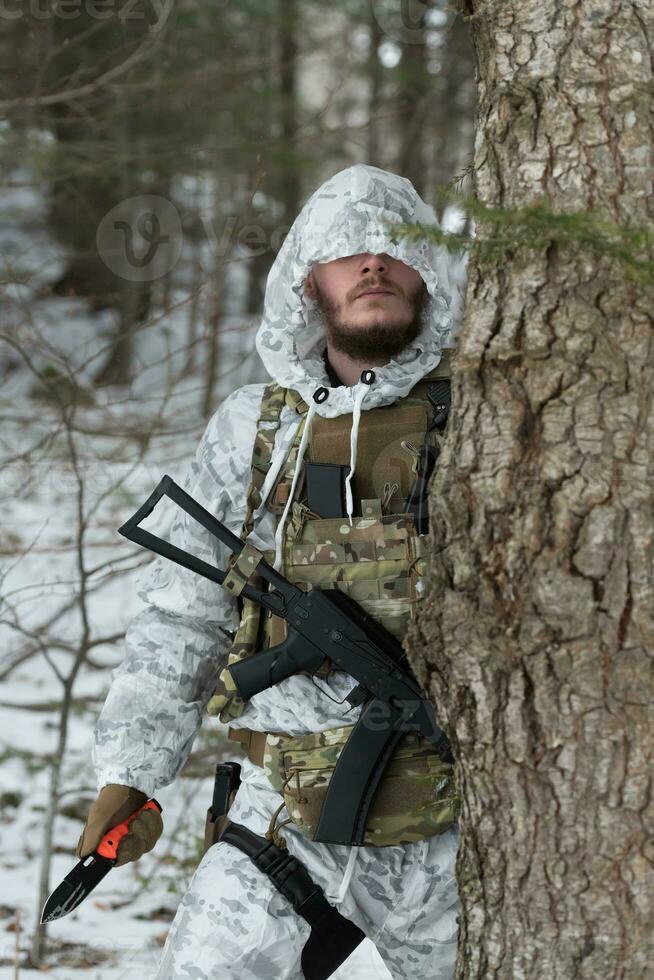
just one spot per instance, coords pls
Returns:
(354, 333)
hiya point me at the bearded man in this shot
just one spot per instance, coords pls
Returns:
(354, 333)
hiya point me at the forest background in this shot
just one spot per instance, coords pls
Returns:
(200, 128)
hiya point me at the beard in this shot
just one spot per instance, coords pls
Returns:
(386, 338)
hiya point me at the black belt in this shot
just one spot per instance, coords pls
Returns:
(333, 937)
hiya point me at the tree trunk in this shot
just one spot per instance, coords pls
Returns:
(536, 638)
(450, 125)
(289, 168)
(118, 366)
(374, 71)
(212, 352)
(415, 88)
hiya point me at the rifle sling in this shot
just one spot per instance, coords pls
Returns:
(333, 937)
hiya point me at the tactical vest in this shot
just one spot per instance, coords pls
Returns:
(379, 561)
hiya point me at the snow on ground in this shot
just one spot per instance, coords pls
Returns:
(117, 933)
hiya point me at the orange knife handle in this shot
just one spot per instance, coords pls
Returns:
(108, 846)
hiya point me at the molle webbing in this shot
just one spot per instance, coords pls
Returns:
(380, 456)
(273, 400)
(257, 629)
(225, 701)
(253, 742)
(329, 441)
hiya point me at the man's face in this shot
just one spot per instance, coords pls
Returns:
(366, 325)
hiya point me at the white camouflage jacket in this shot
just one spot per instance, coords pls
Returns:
(175, 647)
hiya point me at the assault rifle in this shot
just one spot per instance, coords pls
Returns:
(321, 623)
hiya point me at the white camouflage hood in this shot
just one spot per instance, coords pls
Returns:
(346, 216)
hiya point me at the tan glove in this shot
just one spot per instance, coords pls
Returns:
(114, 804)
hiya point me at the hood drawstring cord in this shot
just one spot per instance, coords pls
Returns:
(347, 876)
(320, 395)
(367, 378)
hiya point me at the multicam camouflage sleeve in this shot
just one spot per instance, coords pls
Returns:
(174, 646)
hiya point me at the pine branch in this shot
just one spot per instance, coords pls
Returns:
(536, 226)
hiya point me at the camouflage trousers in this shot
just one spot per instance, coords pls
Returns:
(233, 923)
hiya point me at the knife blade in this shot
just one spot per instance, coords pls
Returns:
(90, 871)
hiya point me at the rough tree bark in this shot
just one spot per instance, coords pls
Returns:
(537, 637)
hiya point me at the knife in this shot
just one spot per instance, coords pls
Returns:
(90, 871)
